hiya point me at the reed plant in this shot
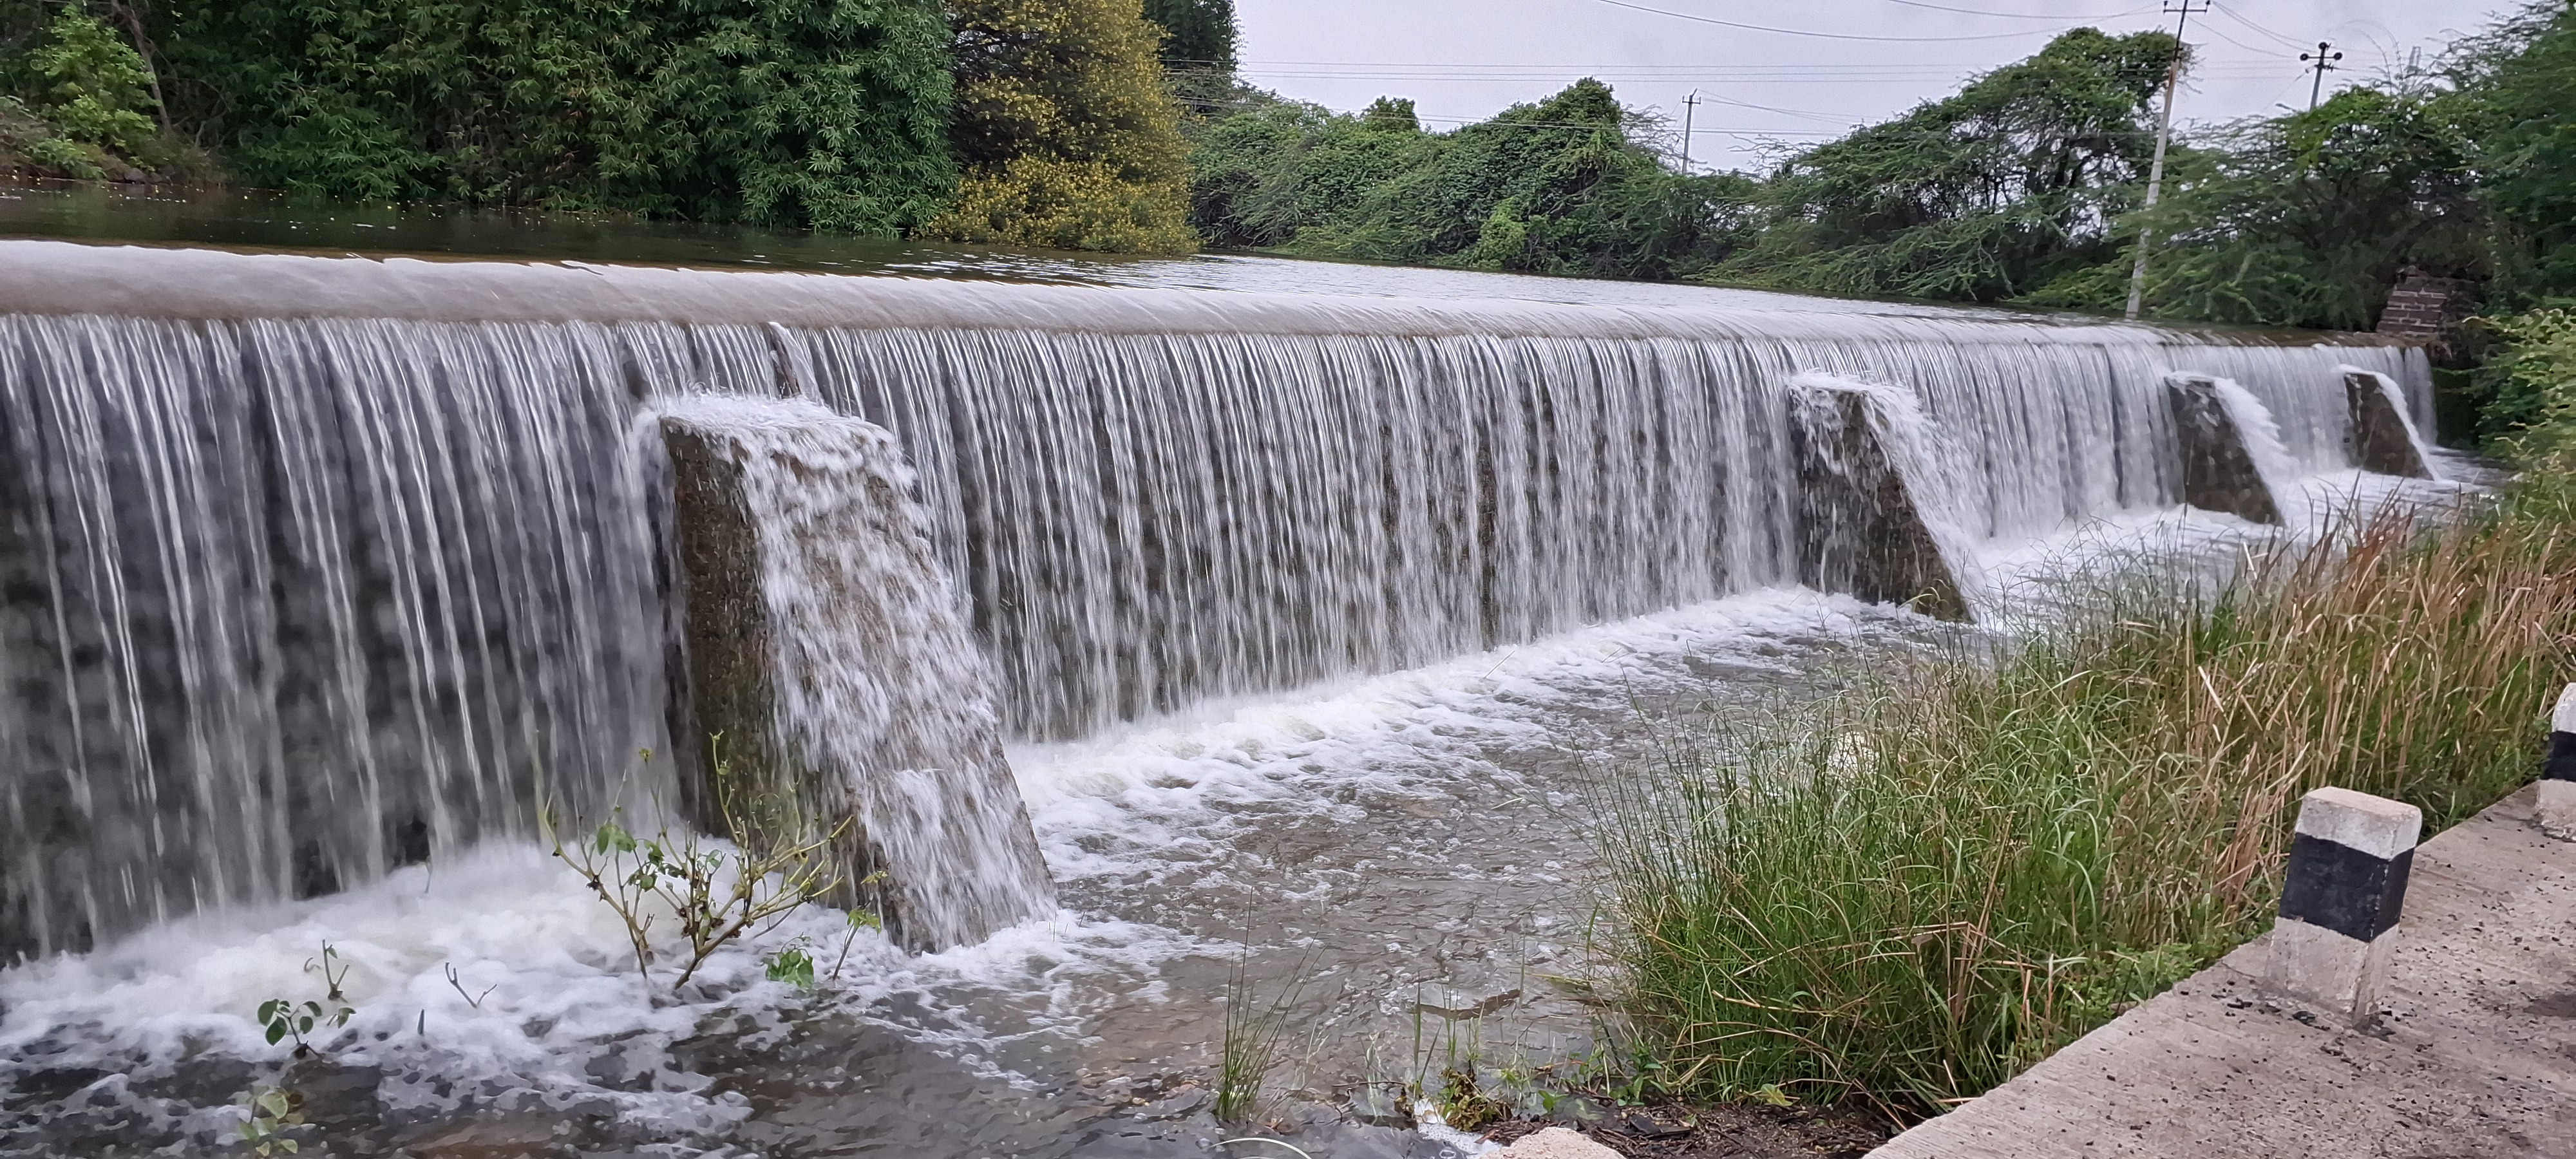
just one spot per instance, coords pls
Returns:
(1910, 894)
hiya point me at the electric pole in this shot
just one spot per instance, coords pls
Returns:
(2325, 64)
(2156, 171)
(1690, 104)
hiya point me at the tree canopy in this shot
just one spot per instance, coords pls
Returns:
(1067, 132)
(1569, 185)
(824, 113)
(1984, 195)
(2305, 219)
(1197, 34)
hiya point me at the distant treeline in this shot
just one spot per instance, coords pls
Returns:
(1121, 125)
(2025, 186)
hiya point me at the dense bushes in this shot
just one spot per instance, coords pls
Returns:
(84, 103)
(825, 113)
(1120, 124)
(851, 116)
(2026, 186)
(1561, 186)
(2306, 219)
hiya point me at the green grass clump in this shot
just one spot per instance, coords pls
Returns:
(1926, 887)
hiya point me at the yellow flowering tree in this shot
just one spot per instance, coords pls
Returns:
(1069, 138)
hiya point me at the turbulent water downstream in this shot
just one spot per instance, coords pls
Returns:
(316, 573)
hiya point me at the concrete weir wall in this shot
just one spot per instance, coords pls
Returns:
(1861, 527)
(2381, 439)
(825, 657)
(2218, 472)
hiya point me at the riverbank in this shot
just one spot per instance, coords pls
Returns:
(2468, 1058)
(1922, 889)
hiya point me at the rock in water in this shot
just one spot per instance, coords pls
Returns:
(2382, 438)
(2218, 472)
(1861, 526)
(828, 664)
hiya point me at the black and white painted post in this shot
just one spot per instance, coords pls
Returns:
(2340, 904)
(2557, 805)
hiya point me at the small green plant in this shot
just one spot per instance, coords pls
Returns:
(858, 919)
(1256, 1034)
(274, 1112)
(773, 861)
(334, 972)
(1464, 1105)
(793, 966)
(285, 1018)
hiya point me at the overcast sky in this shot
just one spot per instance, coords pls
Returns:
(1463, 60)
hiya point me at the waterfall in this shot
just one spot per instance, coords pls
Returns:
(2262, 434)
(312, 567)
(1923, 456)
(2405, 411)
(873, 679)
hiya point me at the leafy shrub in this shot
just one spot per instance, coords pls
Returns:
(2530, 386)
(1067, 133)
(776, 112)
(92, 85)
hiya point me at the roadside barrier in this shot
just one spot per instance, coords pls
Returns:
(2346, 889)
(2557, 804)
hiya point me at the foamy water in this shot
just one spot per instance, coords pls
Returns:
(1152, 829)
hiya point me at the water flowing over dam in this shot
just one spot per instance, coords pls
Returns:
(314, 567)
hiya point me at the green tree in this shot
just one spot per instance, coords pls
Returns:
(91, 86)
(1984, 195)
(1069, 138)
(1197, 34)
(831, 114)
(2514, 83)
(828, 113)
(2306, 219)
(1570, 185)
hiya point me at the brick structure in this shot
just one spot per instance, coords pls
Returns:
(2426, 309)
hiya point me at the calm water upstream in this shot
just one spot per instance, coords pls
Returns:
(1318, 602)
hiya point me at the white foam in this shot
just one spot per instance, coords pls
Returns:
(546, 988)
(1157, 794)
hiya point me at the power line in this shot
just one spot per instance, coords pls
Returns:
(2232, 14)
(1824, 35)
(1812, 116)
(2060, 18)
(2212, 29)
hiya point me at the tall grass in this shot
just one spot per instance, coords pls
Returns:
(1930, 885)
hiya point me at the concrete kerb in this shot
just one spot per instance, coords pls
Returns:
(2556, 804)
(2341, 898)
(2328, 1035)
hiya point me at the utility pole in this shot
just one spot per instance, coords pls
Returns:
(2325, 64)
(2164, 134)
(1690, 104)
